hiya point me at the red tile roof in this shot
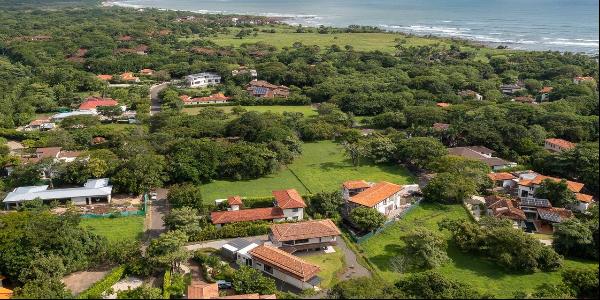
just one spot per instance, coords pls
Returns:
(94, 102)
(69, 154)
(286, 262)
(202, 290)
(501, 176)
(504, 208)
(47, 152)
(105, 77)
(561, 143)
(375, 194)
(304, 230)
(584, 198)
(355, 184)
(128, 76)
(546, 89)
(575, 187)
(234, 200)
(246, 215)
(213, 97)
(442, 104)
(288, 199)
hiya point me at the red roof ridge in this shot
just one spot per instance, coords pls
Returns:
(289, 198)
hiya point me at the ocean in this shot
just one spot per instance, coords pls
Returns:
(558, 25)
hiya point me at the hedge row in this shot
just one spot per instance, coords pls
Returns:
(97, 289)
(233, 230)
(167, 285)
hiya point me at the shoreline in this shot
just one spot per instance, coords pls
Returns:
(295, 19)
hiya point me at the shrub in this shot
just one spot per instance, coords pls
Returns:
(98, 288)
(166, 285)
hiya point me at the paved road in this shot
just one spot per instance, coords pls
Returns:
(158, 208)
(353, 268)
(155, 100)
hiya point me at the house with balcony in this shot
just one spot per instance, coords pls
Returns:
(529, 182)
(281, 265)
(203, 79)
(303, 236)
(387, 198)
(287, 206)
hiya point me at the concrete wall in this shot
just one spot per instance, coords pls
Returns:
(290, 215)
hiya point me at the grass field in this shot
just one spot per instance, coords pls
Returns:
(115, 229)
(306, 110)
(285, 36)
(321, 167)
(475, 271)
(330, 263)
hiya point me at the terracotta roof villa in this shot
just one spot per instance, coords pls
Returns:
(375, 194)
(246, 215)
(558, 145)
(289, 205)
(309, 235)
(500, 207)
(286, 263)
(263, 89)
(287, 199)
(304, 230)
(92, 103)
(387, 198)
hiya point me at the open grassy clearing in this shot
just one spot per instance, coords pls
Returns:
(285, 36)
(116, 229)
(305, 109)
(330, 263)
(321, 167)
(482, 274)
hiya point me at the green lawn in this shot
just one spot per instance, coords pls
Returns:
(306, 110)
(330, 263)
(475, 271)
(321, 167)
(385, 42)
(285, 37)
(115, 229)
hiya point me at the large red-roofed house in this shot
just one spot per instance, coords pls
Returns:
(385, 197)
(309, 235)
(288, 205)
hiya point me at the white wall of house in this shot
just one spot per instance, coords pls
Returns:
(294, 214)
(282, 276)
(234, 207)
(203, 79)
(553, 147)
(389, 204)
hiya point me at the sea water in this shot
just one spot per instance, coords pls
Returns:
(561, 25)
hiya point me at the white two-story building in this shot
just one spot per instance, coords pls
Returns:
(387, 198)
(203, 79)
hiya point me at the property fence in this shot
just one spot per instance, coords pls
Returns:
(140, 212)
(361, 239)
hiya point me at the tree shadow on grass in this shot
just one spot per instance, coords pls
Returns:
(382, 261)
(478, 265)
(329, 166)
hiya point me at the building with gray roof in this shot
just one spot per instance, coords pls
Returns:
(93, 191)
